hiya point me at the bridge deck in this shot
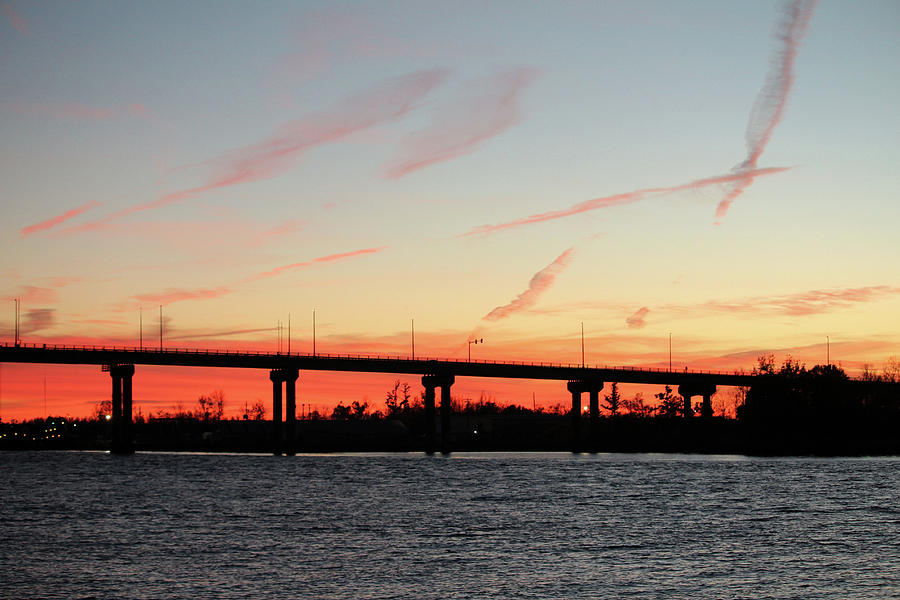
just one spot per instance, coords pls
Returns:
(362, 363)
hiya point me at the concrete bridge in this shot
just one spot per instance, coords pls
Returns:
(284, 371)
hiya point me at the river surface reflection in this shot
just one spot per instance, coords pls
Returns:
(468, 526)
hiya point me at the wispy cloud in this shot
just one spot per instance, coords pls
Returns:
(274, 155)
(765, 116)
(490, 108)
(205, 334)
(73, 111)
(639, 319)
(30, 294)
(540, 283)
(54, 221)
(804, 303)
(621, 199)
(314, 261)
(37, 319)
(172, 295)
(768, 109)
(16, 20)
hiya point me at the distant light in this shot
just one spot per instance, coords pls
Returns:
(108, 417)
(475, 432)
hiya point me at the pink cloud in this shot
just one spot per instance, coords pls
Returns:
(805, 303)
(172, 295)
(37, 319)
(768, 109)
(491, 108)
(29, 294)
(639, 319)
(539, 284)
(272, 156)
(321, 259)
(54, 221)
(622, 199)
(16, 20)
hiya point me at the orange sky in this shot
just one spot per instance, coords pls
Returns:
(724, 173)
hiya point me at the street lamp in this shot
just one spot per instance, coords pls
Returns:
(475, 341)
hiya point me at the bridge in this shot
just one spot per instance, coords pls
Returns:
(284, 370)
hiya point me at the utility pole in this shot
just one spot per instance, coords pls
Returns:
(413, 333)
(289, 334)
(670, 351)
(160, 327)
(582, 344)
(141, 327)
(17, 321)
(314, 332)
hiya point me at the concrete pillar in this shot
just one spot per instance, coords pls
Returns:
(126, 372)
(276, 376)
(706, 410)
(290, 410)
(429, 415)
(687, 411)
(116, 447)
(446, 411)
(122, 436)
(594, 394)
(575, 388)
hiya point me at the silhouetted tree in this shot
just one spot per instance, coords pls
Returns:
(258, 411)
(359, 411)
(341, 412)
(669, 404)
(103, 408)
(612, 400)
(637, 407)
(212, 407)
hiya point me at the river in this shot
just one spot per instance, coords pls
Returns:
(548, 526)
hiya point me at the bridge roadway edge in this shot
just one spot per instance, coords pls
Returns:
(362, 364)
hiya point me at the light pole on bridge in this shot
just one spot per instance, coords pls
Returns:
(475, 341)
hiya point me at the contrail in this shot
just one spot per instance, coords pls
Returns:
(491, 108)
(54, 221)
(767, 112)
(540, 283)
(272, 156)
(620, 199)
(768, 109)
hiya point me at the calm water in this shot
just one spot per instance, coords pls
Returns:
(471, 526)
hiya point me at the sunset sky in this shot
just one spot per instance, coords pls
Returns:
(722, 171)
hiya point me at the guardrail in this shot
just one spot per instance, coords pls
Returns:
(378, 357)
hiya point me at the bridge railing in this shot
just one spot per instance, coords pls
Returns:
(358, 356)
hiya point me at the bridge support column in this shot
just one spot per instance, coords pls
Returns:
(575, 388)
(444, 381)
(429, 416)
(122, 436)
(116, 442)
(276, 376)
(687, 412)
(691, 389)
(446, 412)
(594, 426)
(706, 411)
(290, 410)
